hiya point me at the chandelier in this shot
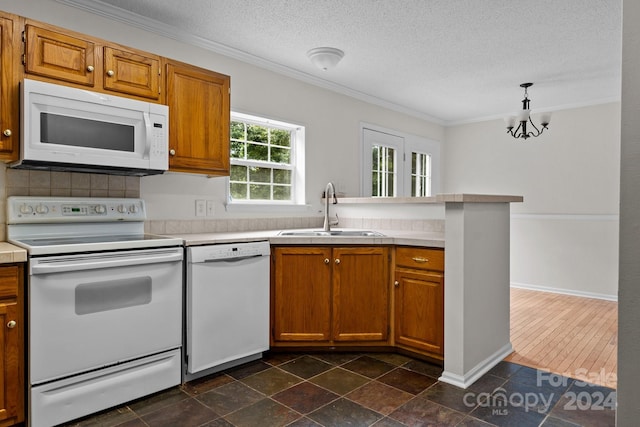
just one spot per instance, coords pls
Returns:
(524, 119)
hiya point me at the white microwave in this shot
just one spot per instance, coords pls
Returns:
(64, 128)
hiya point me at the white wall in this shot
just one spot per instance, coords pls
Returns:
(564, 236)
(332, 120)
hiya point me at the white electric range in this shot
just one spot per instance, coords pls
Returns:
(104, 304)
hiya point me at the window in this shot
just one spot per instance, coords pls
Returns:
(397, 165)
(266, 161)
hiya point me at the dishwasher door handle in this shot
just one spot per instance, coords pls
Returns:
(232, 260)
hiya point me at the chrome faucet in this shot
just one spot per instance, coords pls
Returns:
(329, 189)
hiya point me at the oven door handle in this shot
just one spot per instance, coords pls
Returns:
(96, 261)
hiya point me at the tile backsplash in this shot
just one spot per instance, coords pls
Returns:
(23, 182)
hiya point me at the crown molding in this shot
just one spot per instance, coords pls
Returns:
(104, 10)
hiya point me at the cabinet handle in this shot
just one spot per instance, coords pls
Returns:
(7, 132)
(110, 73)
(90, 68)
(12, 324)
(420, 259)
(337, 261)
(326, 261)
(172, 152)
(396, 283)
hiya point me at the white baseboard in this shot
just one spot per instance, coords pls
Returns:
(565, 291)
(464, 381)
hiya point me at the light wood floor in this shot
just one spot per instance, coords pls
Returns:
(569, 335)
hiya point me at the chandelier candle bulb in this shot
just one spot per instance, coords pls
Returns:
(523, 116)
(545, 119)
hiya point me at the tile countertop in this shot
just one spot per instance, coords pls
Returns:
(10, 253)
(391, 237)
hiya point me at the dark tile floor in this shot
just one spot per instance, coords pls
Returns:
(365, 389)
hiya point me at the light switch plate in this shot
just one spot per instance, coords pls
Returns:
(211, 208)
(201, 208)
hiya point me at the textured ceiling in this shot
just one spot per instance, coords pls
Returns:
(450, 60)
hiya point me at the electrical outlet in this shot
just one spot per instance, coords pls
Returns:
(211, 208)
(201, 208)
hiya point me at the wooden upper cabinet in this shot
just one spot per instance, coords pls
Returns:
(65, 56)
(131, 73)
(60, 56)
(199, 116)
(9, 94)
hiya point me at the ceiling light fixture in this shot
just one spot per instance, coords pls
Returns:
(325, 57)
(524, 117)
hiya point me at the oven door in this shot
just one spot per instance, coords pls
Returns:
(92, 310)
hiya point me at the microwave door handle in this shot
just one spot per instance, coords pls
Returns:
(148, 134)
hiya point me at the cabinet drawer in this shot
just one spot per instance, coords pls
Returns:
(9, 281)
(420, 258)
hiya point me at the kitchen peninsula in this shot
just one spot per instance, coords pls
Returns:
(476, 268)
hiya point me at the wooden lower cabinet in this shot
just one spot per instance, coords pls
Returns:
(11, 345)
(301, 294)
(419, 300)
(324, 295)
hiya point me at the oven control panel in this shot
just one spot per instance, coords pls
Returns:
(24, 210)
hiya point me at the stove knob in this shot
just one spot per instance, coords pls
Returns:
(133, 209)
(26, 209)
(42, 209)
(100, 209)
(122, 209)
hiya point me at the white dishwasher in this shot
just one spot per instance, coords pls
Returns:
(227, 306)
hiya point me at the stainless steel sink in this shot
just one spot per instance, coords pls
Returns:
(343, 233)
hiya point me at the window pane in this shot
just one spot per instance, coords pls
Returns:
(238, 191)
(257, 152)
(281, 137)
(257, 134)
(259, 192)
(237, 150)
(280, 155)
(238, 173)
(420, 174)
(237, 130)
(376, 158)
(281, 176)
(375, 190)
(281, 192)
(260, 174)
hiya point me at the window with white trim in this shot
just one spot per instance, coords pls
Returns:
(267, 161)
(398, 165)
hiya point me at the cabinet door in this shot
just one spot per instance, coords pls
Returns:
(131, 73)
(9, 95)
(360, 293)
(301, 294)
(199, 115)
(59, 56)
(419, 310)
(11, 345)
